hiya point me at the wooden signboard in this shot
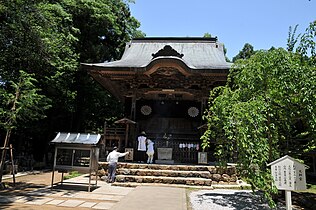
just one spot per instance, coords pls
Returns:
(288, 175)
(130, 155)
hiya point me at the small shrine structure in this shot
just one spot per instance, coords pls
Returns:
(164, 84)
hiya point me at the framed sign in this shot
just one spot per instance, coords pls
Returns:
(202, 158)
(130, 155)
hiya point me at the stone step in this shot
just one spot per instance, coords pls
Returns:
(165, 180)
(160, 166)
(166, 173)
(164, 167)
(234, 186)
(186, 175)
(212, 169)
(136, 184)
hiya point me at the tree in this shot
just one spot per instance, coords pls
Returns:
(50, 39)
(292, 38)
(307, 45)
(246, 52)
(38, 37)
(19, 101)
(105, 26)
(259, 114)
(207, 35)
(307, 49)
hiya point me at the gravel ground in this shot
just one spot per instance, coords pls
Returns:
(219, 199)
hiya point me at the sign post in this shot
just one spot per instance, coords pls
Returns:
(288, 199)
(288, 175)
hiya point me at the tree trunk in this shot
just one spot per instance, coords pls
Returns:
(4, 151)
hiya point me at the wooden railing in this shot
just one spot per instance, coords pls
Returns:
(182, 151)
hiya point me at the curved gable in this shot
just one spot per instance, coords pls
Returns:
(196, 53)
(188, 66)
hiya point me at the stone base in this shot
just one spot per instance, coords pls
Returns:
(164, 161)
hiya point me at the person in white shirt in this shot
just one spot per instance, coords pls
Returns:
(142, 141)
(150, 151)
(112, 160)
(141, 146)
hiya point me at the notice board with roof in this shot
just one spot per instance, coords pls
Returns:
(76, 152)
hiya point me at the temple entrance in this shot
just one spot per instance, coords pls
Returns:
(171, 124)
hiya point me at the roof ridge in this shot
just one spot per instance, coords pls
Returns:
(182, 39)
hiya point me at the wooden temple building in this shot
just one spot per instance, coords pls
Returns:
(164, 84)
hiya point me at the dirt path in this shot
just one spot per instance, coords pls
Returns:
(37, 177)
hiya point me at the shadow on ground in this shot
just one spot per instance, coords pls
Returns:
(237, 200)
(305, 200)
(31, 192)
(20, 188)
(242, 200)
(74, 187)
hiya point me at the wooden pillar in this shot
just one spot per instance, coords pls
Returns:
(133, 108)
(54, 165)
(12, 164)
(89, 187)
(203, 105)
(126, 134)
(104, 134)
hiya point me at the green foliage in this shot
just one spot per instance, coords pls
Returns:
(257, 116)
(20, 100)
(38, 38)
(307, 49)
(104, 26)
(311, 188)
(246, 52)
(49, 39)
(207, 35)
(72, 174)
(292, 38)
(307, 45)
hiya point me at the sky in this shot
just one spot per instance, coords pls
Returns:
(261, 23)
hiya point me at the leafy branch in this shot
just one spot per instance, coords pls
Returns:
(19, 101)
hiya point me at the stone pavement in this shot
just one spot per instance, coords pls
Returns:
(154, 198)
(104, 196)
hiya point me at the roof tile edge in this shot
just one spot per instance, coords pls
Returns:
(184, 39)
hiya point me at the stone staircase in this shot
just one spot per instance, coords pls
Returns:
(134, 174)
